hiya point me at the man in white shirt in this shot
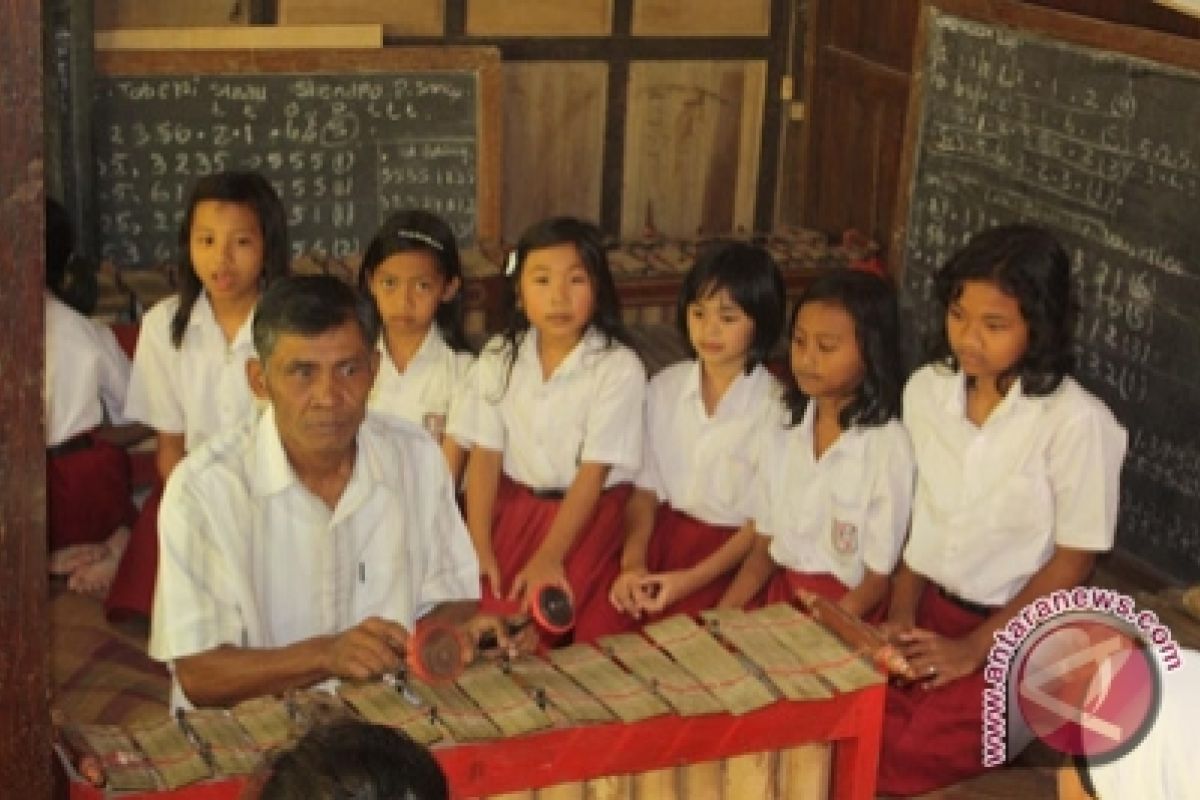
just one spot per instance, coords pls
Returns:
(304, 545)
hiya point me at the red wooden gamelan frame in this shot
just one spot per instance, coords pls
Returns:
(852, 722)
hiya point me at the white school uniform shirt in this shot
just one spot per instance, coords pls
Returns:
(706, 467)
(590, 409)
(843, 513)
(87, 373)
(992, 502)
(1162, 765)
(433, 376)
(197, 389)
(250, 557)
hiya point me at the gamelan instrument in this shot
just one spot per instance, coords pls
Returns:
(759, 704)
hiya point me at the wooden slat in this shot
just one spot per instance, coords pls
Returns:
(553, 141)
(126, 766)
(265, 720)
(611, 787)
(379, 703)
(562, 791)
(539, 18)
(701, 18)
(408, 18)
(509, 708)
(259, 37)
(817, 649)
(454, 709)
(692, 144)
(659, 784)
(804, 772)
(709, 662)
(112, 14)
(669, 680)
(752, 637)
(622, 693)
(541, 679)
(751, 775)
(175, 759)
(230, 749)
(704, 781)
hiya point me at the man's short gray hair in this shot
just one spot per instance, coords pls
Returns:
(311, 305)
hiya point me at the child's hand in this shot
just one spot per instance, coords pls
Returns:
(538, 572)
(627, 593)
(937, 659)
(662, 589)
(892, 630)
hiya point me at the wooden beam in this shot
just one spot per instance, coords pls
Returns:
(24, 633)
(249, 37)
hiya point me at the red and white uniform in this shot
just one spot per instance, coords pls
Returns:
(87, 478)
(992, 503)
(546, 427)
(836, 516)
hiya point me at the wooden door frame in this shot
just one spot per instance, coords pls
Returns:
(25, 731)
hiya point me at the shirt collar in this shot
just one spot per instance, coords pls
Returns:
(850, 442)
(273, 471)
(745, 390)
(432, 346)
(592, 341)
(954, 398)
(202, 316)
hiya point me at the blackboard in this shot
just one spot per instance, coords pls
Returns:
(1022, 114)
(346, 137)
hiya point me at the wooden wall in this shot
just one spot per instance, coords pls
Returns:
(623, 111)
(859, 62)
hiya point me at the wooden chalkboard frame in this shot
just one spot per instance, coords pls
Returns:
(482, 62)
(1139, 42)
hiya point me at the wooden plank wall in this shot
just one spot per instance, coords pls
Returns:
(24, 637)
(692, 137)
(857, 78)
(113, 14)
(593, 90)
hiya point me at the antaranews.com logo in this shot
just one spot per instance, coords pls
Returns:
(1078, 669)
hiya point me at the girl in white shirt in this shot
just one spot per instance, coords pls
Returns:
(551, 418)
(89, 508)
(685, 523)
(1018, 471)
(413, 271)
(189, 369)
(837, 480)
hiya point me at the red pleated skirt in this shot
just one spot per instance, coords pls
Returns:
(680, 542)
(932, 738)
(520, 523)
(132, 592)
(87, 494)
(785, 583)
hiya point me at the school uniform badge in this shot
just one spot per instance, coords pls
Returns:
(845, 537)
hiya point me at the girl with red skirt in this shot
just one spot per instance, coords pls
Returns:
(686, 526)
(834, 502)
(550, 415)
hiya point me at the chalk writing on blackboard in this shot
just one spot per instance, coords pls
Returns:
(1101, 147)
(343, 151)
